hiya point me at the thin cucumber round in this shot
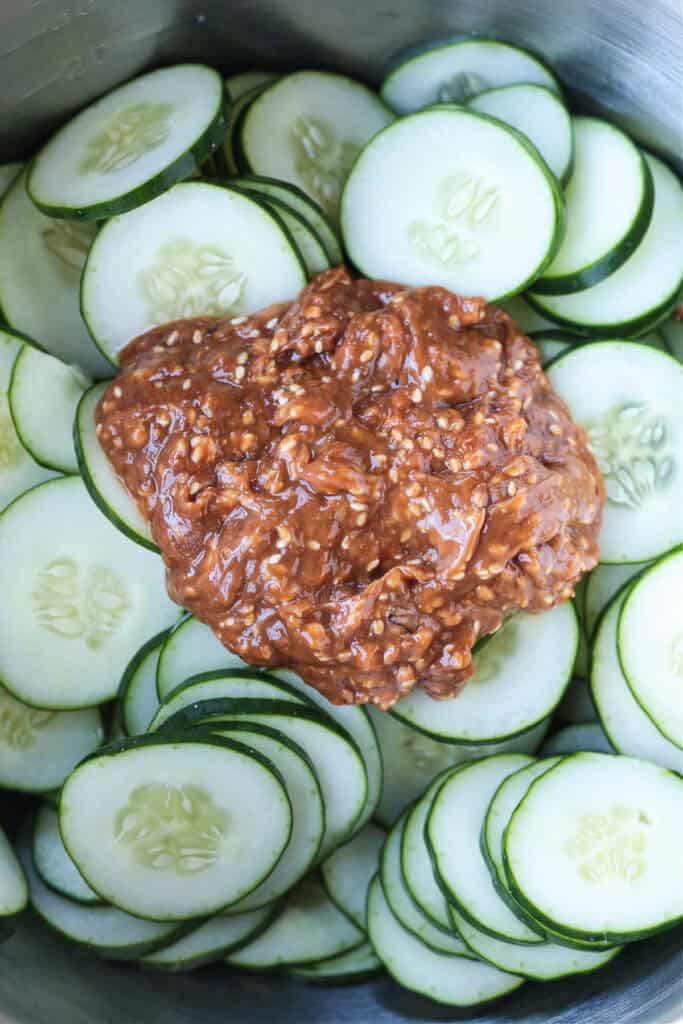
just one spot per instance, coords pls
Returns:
(53, 863)
(547, 961)
(630, 730)
(355, 721)
(631, 414)
(520, 676)
(604, 222)
(411, 759)
(303, 204)
(452, 833)
(137, 695)
(608, 827)
(356, 965)
(14, 893)
(18, 469)
(553, 343)
(444, 977)
(573, 738)
(8, 172)
(484, 192)
(336, 757)
(310, 928)
(672, 331)
(308, 128)
(39, 748)
(537, 112)
(239, 108)
(83, 598)
(454, 72)
(165, 829)
(226, 683)
(347, 873)
(645, 288)
(244, 81)
(41, 260)
(401, 903)
(416, 863)
(191, 647)
(308, 811)
(603, 583)
(650, 643)
(309, 245)
(210, 942)
(132, 144)
(103, 485)
(43, 395)
(102, 930)
(200, 248)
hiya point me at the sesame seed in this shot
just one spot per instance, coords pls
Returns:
(313, 545)
(187, 384)
(442, 422)
(358, 506)
(326, 380)
(196, 337)
(237, 320)
(366, 356)
(555, 429)
(274, 559)
(158, 348)
(438, 453)
(362, 519)
(272, 323)
(454, 465)
(426, 443)
(346, 542)
(454, 322)
(512, 488)
(405, 536)
(416, 396)
(118, 393)
(318, 347)
(194, 487)
(355, 376)
(372, 565)
(240, 373)
(428, 374)
(242, 357)
(377, 627)
(413, 490)
(518, 364)
(172, 338)
(408, 444)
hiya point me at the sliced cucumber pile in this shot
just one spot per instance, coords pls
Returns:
(579, 736)
(347, 873)
(191, 647)
(53, 863)
(454, 72)
(137, 697)
(209, 942)
(356, 965)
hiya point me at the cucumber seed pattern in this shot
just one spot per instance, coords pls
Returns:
(631, 446)
(465, 202)
(77, 603)
(610, 846)
(176, 828)
(322, 159)
(20, 725)
(11, 450)
(461, 87)
(188, 279)
(68, 244)
(127, 136)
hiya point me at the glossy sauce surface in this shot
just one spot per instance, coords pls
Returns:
(358, 485)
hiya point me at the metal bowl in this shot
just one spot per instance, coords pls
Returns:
(621, 57)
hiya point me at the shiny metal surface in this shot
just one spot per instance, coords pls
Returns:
(623, 57)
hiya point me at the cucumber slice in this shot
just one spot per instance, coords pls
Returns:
(356, 722)
(210, 942)
(547, 961)
(310, 928)
(631, 731)
(525, 316)
(308, 128)
(416, 863)
(604, 224)
(650, 621)
(412, 760)
(452, 833)
(244, 81)
(166, 829)
(537, 112)
(645, 288)
(445, 978)
(338, 764)
(18, 470)
(308, 243)
(574, 738)
(189, 647)
(608, 827)
(82, 598)
(131, 145)
(356, 965)
(39, 748)
(603, 583)
(577, 706)
(239, 107)
(272, 188)
(53, 863)
(520, 676)
(40, 270)
(8, 172)
(347, 873)
(482, 186)
(553, 343)
(137, 696)
(231, 683)
(672, 330)
(632, 417)
(401, 903)
(13, 886)
(454, 72)
(102, 930)
(198, 248)
(498, 814)
(103, 485)
(308, 811)
(43, 396)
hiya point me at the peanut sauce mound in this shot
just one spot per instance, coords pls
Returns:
(359, 485)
